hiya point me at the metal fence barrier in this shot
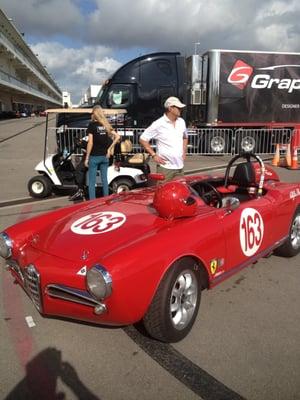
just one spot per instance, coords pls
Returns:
(203, 141)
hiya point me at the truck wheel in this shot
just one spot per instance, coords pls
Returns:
(175, 305)
(210, 144)
(39, 186)
(291, 247)
(248, 144)
(121, 185)
(217, 144)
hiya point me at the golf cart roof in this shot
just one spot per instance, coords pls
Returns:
(107, 111)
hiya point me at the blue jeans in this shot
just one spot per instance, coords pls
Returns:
(96, 162)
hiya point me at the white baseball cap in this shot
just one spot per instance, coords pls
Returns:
(173, 101)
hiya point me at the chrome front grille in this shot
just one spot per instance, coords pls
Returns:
(71, 294)
(32, 285)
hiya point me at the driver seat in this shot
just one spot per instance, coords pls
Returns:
(245, 180)
(244, 175)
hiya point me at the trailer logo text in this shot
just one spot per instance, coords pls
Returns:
(241, 73)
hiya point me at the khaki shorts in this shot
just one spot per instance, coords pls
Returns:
(169, 173)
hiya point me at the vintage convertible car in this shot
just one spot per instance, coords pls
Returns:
(146, 255)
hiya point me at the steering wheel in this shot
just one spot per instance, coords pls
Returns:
(212, 196)
(248, 157)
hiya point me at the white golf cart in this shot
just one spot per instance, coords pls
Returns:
(62, 156)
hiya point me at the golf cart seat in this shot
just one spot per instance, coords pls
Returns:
(127, 155)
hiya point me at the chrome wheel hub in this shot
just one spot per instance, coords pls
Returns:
(122, 188)
(295, 233)
(217, 144)
(37, 187)
(183, 299)
(248, 144)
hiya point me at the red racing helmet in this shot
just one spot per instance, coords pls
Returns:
(174, 199)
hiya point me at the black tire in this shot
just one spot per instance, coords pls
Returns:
(40, 186)
(172, 325)
(122, 185)
(291, 247)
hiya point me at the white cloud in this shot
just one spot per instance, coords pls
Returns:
(169, 25)
(45, 18)
(279, 24)
(75, 69)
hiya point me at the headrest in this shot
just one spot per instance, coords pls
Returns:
(244, 174)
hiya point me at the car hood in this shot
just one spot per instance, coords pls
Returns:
(98, 228)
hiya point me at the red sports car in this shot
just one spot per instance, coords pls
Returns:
(148, 254)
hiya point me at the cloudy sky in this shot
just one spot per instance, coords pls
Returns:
(83, 42)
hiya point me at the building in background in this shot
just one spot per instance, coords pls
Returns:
(66, 102)
(25, 84)
(83, 101)
(90, 95)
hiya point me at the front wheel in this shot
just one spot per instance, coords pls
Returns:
(39, 186)
(175, 305)
(291, 247)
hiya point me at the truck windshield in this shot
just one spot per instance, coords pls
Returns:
(114, 95)
(101, 91)
(118, 95)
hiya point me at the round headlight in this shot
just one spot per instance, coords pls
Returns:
(5, 245)
(99, 282)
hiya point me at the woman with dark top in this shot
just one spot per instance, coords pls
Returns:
(101, 141)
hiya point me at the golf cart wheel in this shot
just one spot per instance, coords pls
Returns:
(175, 305)
(122, 185)
(291, 247)
(39, 186)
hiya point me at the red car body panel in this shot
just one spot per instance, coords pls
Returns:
(125, 234)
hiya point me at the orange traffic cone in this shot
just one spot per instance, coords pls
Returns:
(276, 159)
(288, 157)
(294, 163)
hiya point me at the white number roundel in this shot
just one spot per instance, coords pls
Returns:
(251, 231)
(99, 222)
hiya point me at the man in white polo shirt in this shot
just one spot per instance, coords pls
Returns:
(170, 135)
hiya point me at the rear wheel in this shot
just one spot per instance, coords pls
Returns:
(248, 144)
(291, 247)
(122, 185)
(175, 305)
(39, 186)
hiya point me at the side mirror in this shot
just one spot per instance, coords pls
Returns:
(231, 203)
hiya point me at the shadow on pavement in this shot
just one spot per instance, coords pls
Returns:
(42, 373)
